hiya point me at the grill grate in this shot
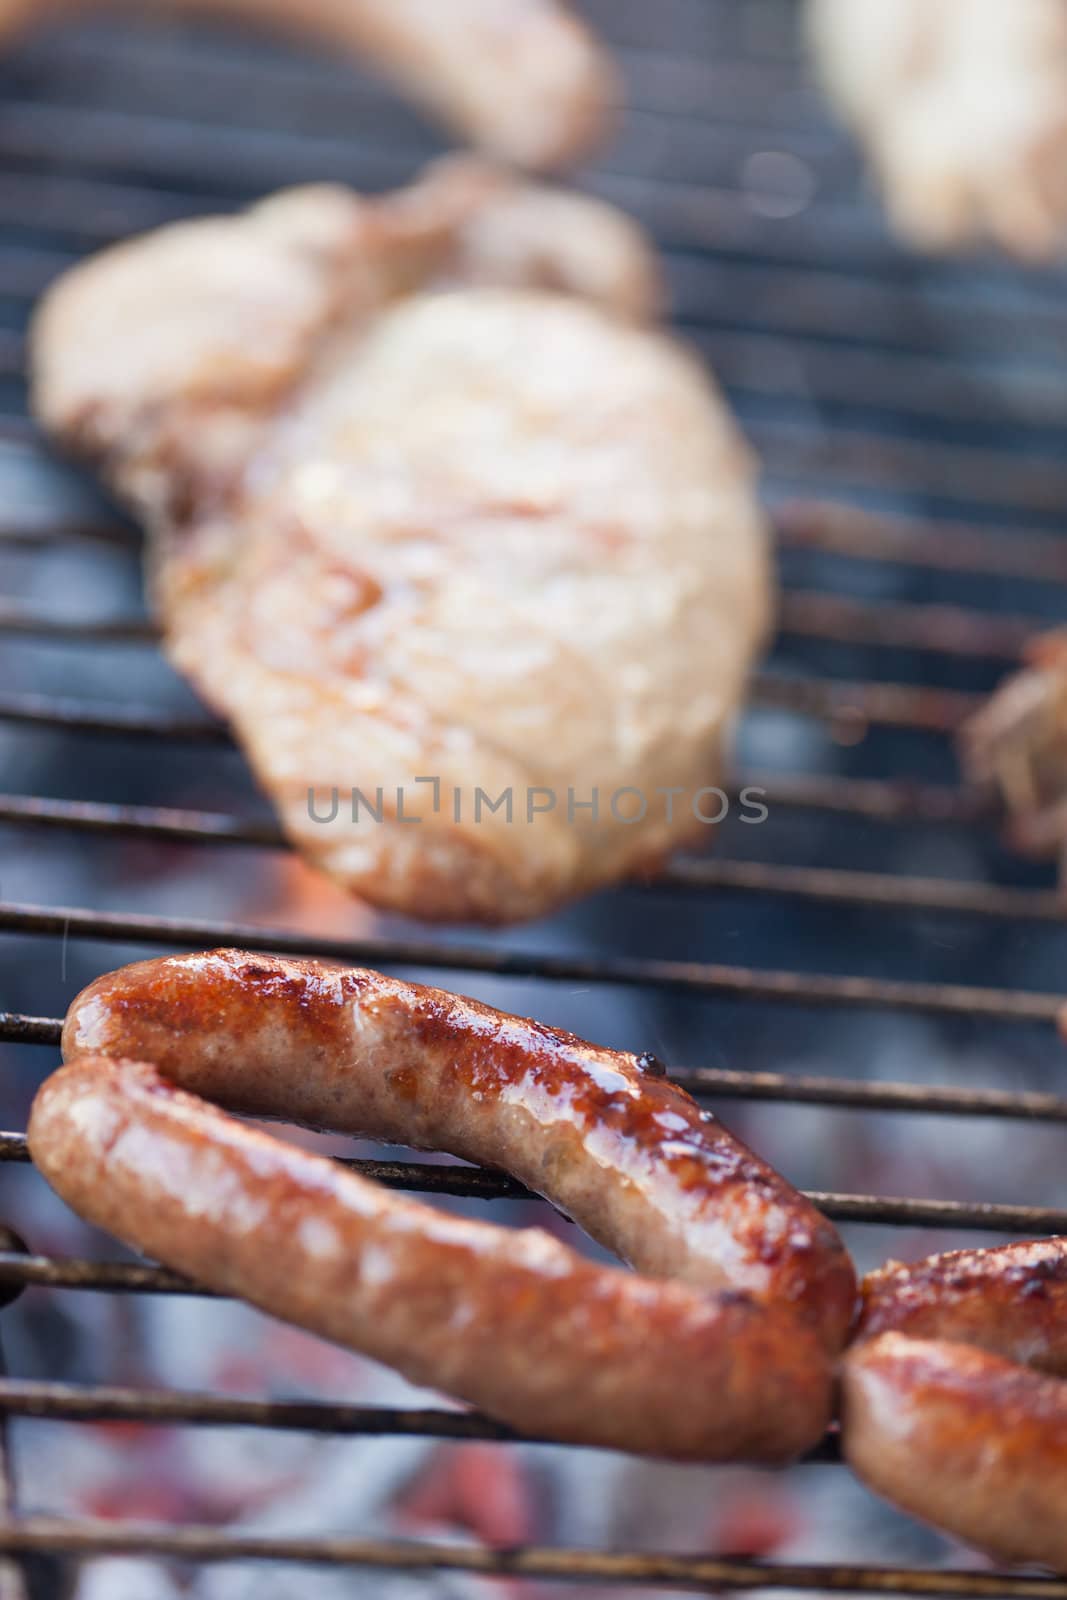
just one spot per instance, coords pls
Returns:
(823, 336)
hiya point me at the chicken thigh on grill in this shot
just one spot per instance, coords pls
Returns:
(432, 517)
(522, 78)
(963, 107)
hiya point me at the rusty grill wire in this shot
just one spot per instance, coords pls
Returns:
(91, 175)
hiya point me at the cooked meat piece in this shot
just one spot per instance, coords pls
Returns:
(721, 1345)
(1017, 744)
(522, 78)
(496, 537)
(963, 107)
(953, 1404)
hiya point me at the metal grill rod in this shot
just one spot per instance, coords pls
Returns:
(705, 978)
(887, 705)
(164, 148)
(758, 360)
(684, 216)
(786, 362)
(698, 1573)
(173, 149)
(717, 1082)
(933, 629)
(827, 527)
(923, 709)
(68, 1402)
(868, 890)
(656, 79)
(13, 1581)
(838, 528)
(720, 1083)
(857, 461)
(898, 800)
(803, 613)
(871, 800)
(821, 526)
(16, 619)
(475, 1183)
(167, 144)
(865, 459)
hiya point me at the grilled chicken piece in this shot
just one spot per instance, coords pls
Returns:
(522, 78)
(1018, 744)
(963, 108)
(500, 537)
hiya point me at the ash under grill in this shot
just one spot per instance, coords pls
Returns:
(910, 419)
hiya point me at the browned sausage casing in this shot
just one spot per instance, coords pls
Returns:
(942, 1413)
(730, 1359)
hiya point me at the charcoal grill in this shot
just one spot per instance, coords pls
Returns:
(909, 417)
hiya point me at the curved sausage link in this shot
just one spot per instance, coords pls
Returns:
(962, 1439)
(632, 1158)
(513, 1322)
(723, 1350)
(941, 1412)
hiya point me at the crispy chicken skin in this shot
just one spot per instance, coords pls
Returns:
(962, 105)
(1017, 745)
(522, 79)
(499, 537)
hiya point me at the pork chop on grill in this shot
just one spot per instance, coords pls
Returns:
(431, 517)
(521, 78)
(962, 105)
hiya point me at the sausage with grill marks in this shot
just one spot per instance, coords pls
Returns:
(722, 1348)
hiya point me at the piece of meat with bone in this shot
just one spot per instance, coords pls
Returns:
(1017, 746)
(476, 575)
(522, 79)
(954, 1404)
(721, 1346)
(962, 105)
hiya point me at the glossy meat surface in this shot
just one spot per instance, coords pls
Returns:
(722, 1349)
(524, 79)
(629, 1156)
(513, 1322)
(963, 1439)
(498, 539)
(1011, 1301)
(963, 108)
(953, 1400)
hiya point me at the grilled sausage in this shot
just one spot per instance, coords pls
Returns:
(1011, 1301)
(941, 1412)
(723, 1349)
